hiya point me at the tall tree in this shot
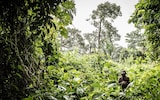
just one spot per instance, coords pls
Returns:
(27, 31)
(91, 44)
(146, 16)
(109, 36)
(102, 19)
(135, 39)
(73, 40)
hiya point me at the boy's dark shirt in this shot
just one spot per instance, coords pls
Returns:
(125, 79)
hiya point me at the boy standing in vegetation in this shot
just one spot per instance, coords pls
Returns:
(123, 80)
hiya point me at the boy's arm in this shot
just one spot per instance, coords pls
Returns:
(128, 80)
(120, 80)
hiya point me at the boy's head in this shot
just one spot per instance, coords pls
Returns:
(123, 73)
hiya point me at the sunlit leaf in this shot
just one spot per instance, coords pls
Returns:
(50, 68)
(28, 98)
(63, 32)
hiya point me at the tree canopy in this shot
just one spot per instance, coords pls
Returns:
(146, 16)
(102, 19)
(27, 31)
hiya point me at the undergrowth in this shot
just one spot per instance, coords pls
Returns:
(80, 77)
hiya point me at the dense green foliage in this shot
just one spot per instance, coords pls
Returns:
(135, 39)
(39, 62)
(79, 77)
(28, 31)
(146, 16)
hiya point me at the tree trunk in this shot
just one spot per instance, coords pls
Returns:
(99, 38)
(99, 34)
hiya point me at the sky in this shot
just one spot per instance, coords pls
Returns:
(84, 9)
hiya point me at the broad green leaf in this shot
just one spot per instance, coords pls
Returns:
(50, 68)
(20, 67)
(96, 96)
(63, 32)
(66, 76)
(68, 4)
(19, 75)
(28, 98)
(95, 84)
